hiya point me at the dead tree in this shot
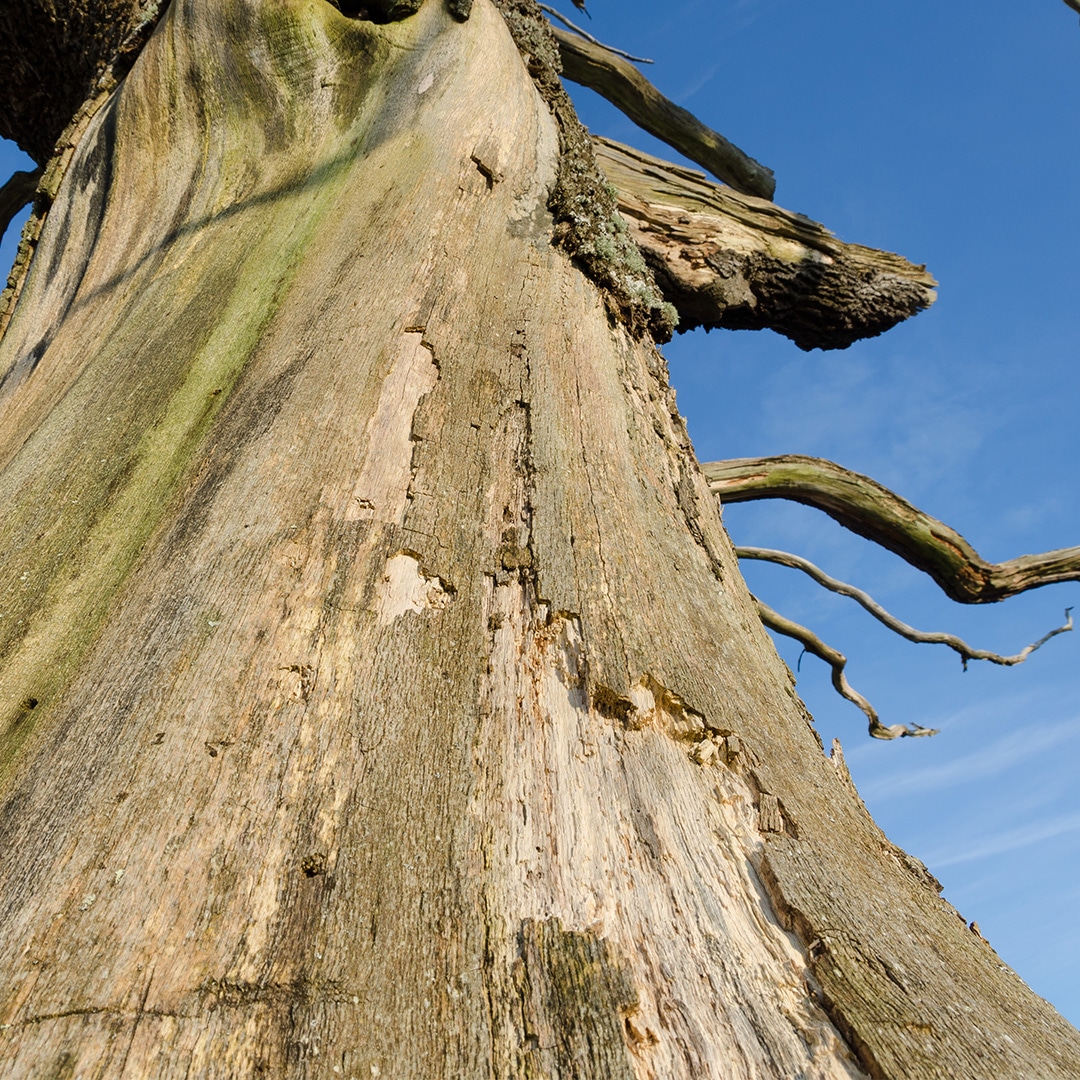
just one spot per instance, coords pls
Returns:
(378, 691)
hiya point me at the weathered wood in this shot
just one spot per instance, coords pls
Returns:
(730, 260)
(377, 687)
(74, 42)
(866, 507)
(627, 89)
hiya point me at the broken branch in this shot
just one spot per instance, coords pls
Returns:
(837, 661)
(866, 507)
(588, 37)
(15, 194)
(958, 645)
(627, 89)
(743, 263)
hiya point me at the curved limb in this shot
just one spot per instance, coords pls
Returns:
(15, 194)
(873, 511)
(837, 661)
(796, 562)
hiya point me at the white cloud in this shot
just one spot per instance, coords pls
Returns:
(1008, 840)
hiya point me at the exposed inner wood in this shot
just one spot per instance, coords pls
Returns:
(868, 508)
(377, 686)
(731, 260)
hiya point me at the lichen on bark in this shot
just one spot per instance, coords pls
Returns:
(588, 226)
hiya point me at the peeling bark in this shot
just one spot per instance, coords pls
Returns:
(377, 687)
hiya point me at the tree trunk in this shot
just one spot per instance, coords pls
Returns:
(379, 692)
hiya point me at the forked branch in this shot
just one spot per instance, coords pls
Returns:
(627, 89)
(837, 661)
(873, 511)
(958, 645)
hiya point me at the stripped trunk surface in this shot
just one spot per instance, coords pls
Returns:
(379, 694)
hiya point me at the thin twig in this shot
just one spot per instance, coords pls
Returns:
(796, 562)
(873, 511)
(588, 37)
(837, 661)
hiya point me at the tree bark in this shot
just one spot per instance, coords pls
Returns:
(864, 506)
(379, 694)
(729, 260)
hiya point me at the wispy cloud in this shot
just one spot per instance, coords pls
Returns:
(1008, 840)
(998, 757)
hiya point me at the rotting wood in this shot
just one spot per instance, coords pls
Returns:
(730, 260)
(627, 89)
(868, 508)
(206, 549)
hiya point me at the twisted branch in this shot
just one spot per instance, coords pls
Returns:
(958, 645)
(837, 661)
(866, 507)
(627, 89)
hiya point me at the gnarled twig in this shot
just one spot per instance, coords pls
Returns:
(16, 194)
(736, 261)
(588, 37)
(796, 562)
(873, 511)
(627, 89)
(837, 661)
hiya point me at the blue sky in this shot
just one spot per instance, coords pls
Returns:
(948, 133)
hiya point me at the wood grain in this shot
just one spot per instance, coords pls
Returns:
(378, 691)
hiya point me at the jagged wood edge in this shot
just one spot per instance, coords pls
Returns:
(886, 618)
(866, 507)
(628, 90)
(725, 259)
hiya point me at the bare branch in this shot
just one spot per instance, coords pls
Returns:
(588, 37)
(837, 661)
(796, 562)
(736, 261)
(15, 194)
(627, 89)
(866, 507)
